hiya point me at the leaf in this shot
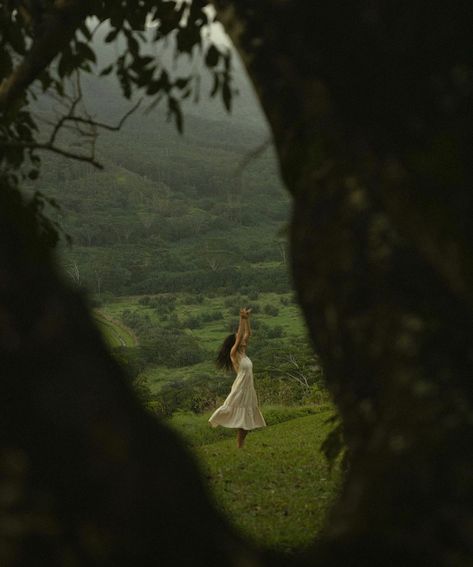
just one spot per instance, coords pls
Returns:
(111, 36)
(182, 82)
(216, 85)
(64, 65)
(146, 60)
(84, 30)
(187, 93)
(153, 87)
(187, 38)
(106, 71)
(175, 109)
(228, 59)
(85, 52)
(17, 39)
(133, 45)
(227, 95)
(212, 56)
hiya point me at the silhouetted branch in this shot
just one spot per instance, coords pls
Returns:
(251, 156)
(58, 26)
(71, 118)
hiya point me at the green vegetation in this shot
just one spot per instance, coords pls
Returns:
(277, 489)
(179, 334)
(116, 334)
(169, 241)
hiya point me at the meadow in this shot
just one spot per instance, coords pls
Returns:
(169, 241)
(207, 319)
(278, 489)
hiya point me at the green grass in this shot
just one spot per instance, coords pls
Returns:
(209, 334)
(115, 333)
(158, 376)
(278, 488)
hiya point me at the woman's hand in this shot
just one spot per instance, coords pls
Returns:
(245, 312)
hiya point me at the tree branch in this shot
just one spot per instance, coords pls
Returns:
(71, 117)
(55, 31)
(55, 149)
(91, 122)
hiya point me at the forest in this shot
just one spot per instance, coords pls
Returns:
(172, 252)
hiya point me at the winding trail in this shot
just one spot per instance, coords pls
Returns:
(117, 329)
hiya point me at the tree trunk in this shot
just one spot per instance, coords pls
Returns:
(370, 108)
(87, 475)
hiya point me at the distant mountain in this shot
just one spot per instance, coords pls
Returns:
(198, 211)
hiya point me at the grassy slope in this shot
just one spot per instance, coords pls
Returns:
(115, 332)
(278, 488)
(210, 334)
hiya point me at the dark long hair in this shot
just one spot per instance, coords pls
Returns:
(223, 359)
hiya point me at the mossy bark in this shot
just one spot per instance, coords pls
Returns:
(370, 107)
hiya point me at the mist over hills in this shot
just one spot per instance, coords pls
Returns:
(246, 110)
(172, 212)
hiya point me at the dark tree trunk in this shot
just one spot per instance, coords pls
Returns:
(87, 476)
(370, 104)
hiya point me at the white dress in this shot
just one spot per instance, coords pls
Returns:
(240, 410)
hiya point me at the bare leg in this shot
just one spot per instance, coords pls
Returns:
(241, 434)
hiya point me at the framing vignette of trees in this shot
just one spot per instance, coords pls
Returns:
(370, 106)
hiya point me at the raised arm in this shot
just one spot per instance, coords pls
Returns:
(247, 323)
(242, 336)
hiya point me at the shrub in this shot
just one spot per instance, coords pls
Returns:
(192, 322)
(275, 332)
(209, 316)
(163, 304)
(253, 294)
(271, 310)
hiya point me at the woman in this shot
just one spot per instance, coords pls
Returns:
(240, 410)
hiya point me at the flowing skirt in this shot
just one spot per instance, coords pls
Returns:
(240, 409)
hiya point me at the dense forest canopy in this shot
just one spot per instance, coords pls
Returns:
(189, 203)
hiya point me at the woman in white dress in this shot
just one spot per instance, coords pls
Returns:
(240, 410)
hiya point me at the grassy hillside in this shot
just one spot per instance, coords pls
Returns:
(171, 213)
(278, 488)
(116, 333)
(207, 319)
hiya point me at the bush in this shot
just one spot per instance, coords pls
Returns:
(230, 302)
(192, 322)
(271, 310)
(275, 332)
(171, 347)
(201, 393)
(135, 320)
(166, 303)
(209, 316)
(253, 294)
